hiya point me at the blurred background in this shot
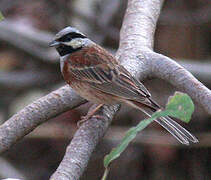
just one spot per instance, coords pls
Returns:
(29, 69)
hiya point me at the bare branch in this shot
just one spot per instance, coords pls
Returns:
(200, 69)
(137, 35)
(167, 69)
(36, 113)
(71, 168)
(139, 24)
(82, 145)
(136, 44)
(137, 38)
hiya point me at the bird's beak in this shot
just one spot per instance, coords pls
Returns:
(54, 43)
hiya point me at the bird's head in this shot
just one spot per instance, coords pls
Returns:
(69, 40)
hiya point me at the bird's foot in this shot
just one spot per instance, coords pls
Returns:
(89, 115)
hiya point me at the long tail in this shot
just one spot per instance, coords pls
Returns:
(180, 133)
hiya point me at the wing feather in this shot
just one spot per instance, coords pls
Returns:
(109, 81)
(104, 73)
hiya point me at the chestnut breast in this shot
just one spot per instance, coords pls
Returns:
(84, 58)
(78, 59)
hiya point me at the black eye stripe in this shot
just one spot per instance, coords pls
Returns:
(70, 36)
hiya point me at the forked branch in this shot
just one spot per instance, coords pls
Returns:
(136, 54)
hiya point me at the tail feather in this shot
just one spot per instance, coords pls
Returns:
(174, 131)
(180, 133)
(187, 134)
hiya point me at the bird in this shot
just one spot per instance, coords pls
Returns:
(96, 75)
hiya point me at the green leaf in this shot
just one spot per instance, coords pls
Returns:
(179, 106)
(130, 135)
(1, 16)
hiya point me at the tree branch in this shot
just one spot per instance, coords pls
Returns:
(83, 144)
(167, 69)
(139, 24)
(137, 35)
(200, 69)
(136, 44)
(36, 113)
(75, 162)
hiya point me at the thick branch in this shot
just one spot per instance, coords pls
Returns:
(167, 69)
(70, 168)
(36, 113)
(82, 145)
(139, 24)
(200, 69)
(136, 39)
(137, 34)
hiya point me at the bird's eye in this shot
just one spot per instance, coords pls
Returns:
(68, 38)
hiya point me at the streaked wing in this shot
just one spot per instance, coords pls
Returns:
(92, 74)
(112, 79)
(122, 85)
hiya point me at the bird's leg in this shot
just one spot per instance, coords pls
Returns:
(89, 115)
